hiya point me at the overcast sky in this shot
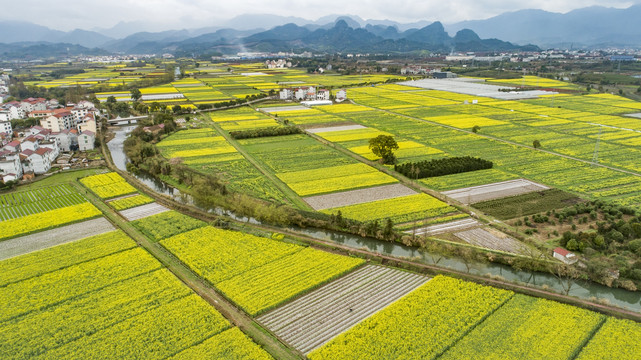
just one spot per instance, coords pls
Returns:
(177, 14)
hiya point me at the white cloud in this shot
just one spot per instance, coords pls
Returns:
(176, 14)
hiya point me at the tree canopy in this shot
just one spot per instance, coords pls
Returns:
(384, 146)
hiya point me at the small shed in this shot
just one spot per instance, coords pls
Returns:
(565, 255)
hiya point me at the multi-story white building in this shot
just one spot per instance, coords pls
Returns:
(10, 166)
(322, 94)
(5, 127)
(61, 120)
(33, 104)
(86, 141)
(88, 123)
(341, 95)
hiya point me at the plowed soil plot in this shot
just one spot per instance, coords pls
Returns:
(359, 196)
(471, 195)
(448, 227)
(335, 128)
(493, 241)
(46, 239)
(143, 211)
(317, 317)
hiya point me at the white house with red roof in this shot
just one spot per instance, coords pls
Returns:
(33, 104)
(12, 110)
(67, 139)
(13, 146)
(62, 119)
(322, 94)
(88, 123)
(564, 255)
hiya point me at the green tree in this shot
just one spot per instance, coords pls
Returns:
(536, 144)
(476, 129)
(136, 94)
(384, 146)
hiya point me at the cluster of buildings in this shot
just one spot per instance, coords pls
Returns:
(310, 93)
(52, 116)
(36, 151)
(61, 129)
(278, 64)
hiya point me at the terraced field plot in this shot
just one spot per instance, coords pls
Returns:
(493, 240)
(17, 204)
(315, 318)
(499, 190)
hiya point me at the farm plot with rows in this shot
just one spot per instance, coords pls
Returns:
(256, 273)
(59, 235)
(528, 328)
(107, 186)
(418, 207)
(421, 325)
(353, 197)
(327, 180)
(493, 240)
(452, 319)
(104, 298)
(617, 338)
(166, 224)
(143, 211)
(128, 202)
(527, 204)
(17, 204)
(499, 190)
(310, 321)
(568, 125)
(48, 219)
(205, 151)
(214, 253)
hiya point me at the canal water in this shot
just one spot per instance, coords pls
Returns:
(587, 290)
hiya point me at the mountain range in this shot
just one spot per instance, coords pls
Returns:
(583, 28)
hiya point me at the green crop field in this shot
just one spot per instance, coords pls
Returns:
(18, 204)
(102, 297)
(256, 273)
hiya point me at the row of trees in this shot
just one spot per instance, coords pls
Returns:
(265, 132)
(440, 167)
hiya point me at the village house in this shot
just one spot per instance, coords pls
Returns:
(88, 123)
(60, 120)
(33, 104)
(5, 127)
(67, 140)
(10, 166)
(341, 95)
(86, 140)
